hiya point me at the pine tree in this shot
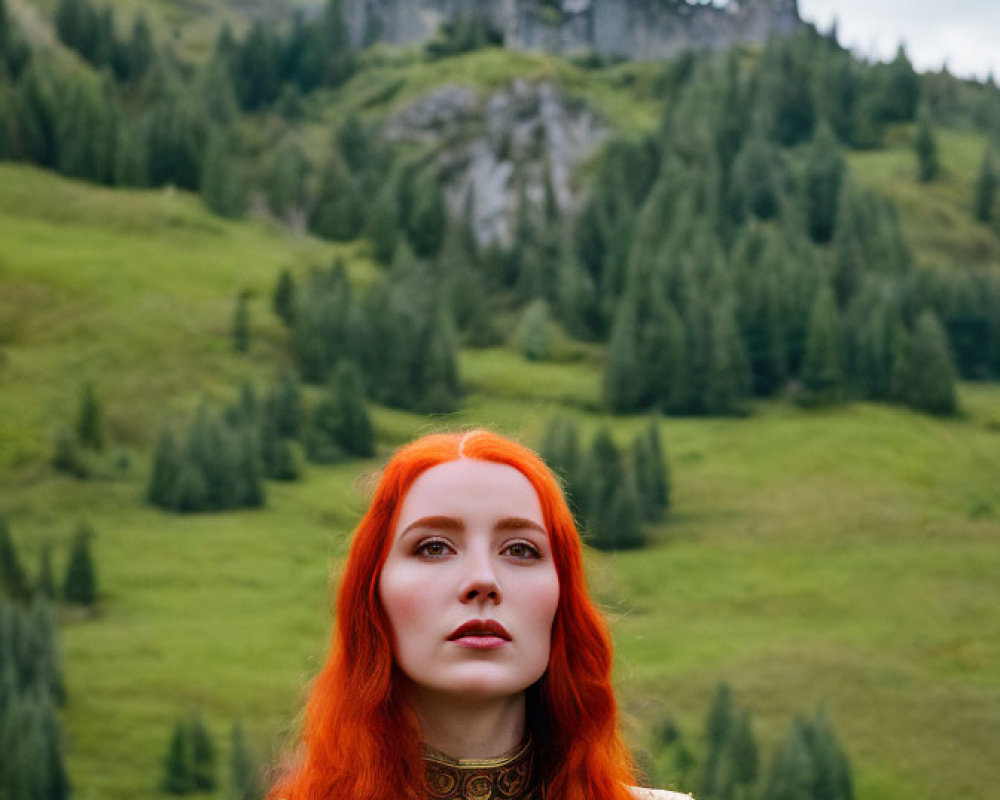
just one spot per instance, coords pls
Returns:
(924, 374)
(66, 456)
(13, 579)
(560, 449)
(217, 93)
(178, 777)
(338, 54)
(257, 63)
(727, 377)
(984, 203)
(925, 146)
(80, 583)
(166, 470)
(652, 476)
(277, 456)
(621, 527)
(356, 434)
(825, 169)
(140, 50)
(535, 332)
(822, 371)
(283, 298)
(624, 376)
(831, 771)
(717, 775)
(46, 671)
(222, 186)
(901, 89)
(286, 183)
(202, 749)
(337, 210)
(790, 775)
(757, 179)
(241, 323)
(89, 423)
(322, 434)
(244, 771)
(383, 225)
(45, 585)
(600, 476)
(742, 747)
(427, 217)
(285, 404)
(438, 380)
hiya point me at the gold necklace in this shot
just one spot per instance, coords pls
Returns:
(508, 777)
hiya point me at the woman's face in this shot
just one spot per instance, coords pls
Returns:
(469, 584)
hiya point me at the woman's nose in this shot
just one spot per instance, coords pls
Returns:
(480, 581)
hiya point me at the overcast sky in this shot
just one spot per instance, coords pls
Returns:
(963, 33)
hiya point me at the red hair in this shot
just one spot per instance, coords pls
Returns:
(360, 740)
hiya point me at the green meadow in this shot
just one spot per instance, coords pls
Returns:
(847, 558)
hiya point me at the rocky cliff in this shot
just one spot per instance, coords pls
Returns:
(631, 29)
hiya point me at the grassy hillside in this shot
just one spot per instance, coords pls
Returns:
(847, 557)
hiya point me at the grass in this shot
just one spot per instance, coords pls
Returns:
(937, 217)
(846, 557)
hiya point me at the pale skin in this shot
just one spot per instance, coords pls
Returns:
(470, 588)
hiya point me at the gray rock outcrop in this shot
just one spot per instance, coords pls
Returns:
(502, 149)
(632, 29)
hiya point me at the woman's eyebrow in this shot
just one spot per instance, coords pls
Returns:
(518, 524)
(434, 523)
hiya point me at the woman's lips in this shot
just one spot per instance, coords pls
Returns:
(480, 634)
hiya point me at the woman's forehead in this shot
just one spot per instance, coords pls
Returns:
(470, 488)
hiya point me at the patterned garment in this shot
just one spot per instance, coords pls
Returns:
(506, 778)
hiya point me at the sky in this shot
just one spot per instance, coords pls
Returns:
(965, 34)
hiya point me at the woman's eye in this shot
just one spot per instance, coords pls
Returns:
(433, 548)
(521, 550)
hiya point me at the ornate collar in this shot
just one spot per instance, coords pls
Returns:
(506, 778)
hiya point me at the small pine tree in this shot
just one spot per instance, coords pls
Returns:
(924, 374)
(166, 469)
(790, 775)
(356, 433)
(621, 527)
(742, 747)
(535, 332)
(822, 376)
(202, 749)
(652, 474)
(624, 377)
(925, 146)
(984, 203)
(323, 429)
(284, 405)
(824, 174)
(222, 186)
(831, 773)
(283, 298)
(427, 217)
(560, 449)
(13, 579)
(45, 586)
(178, 775)
(717, 774)
(244, 771)
(241, 323)
(89, 425)
(80, 584)
(66, 456)
(600, 475)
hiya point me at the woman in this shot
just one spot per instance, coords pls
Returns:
(468, 662)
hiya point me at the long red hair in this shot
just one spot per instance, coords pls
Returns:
(360, 740)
